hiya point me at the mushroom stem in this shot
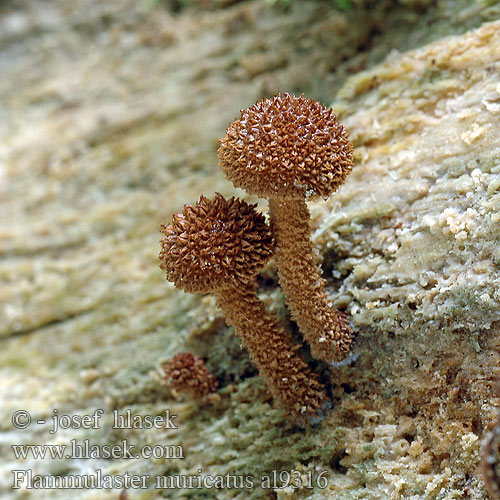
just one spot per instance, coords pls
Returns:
(325, 329)
(294, 386)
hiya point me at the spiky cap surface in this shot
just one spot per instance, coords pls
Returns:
(188, 374)
(215, 244)
(288, 147)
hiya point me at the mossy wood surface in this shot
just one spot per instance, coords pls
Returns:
(110, 114)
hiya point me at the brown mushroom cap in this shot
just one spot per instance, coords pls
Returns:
(215, 244)
(188, 374)
(290, 147)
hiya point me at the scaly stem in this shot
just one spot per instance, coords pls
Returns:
(325, 329)
(295, 387)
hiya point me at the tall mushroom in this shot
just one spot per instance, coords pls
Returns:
(290, 149)
(218, 246)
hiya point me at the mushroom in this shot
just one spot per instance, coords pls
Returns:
(290, 149)
(188, 374)
(217, 246)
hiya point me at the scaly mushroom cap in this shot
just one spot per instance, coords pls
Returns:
(215, 244)
(188, 374)
(289, 147)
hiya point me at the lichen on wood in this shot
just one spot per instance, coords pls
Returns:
(93, 159)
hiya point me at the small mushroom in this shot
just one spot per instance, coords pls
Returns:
(290, 149)
(218, 246)
(188, 374)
